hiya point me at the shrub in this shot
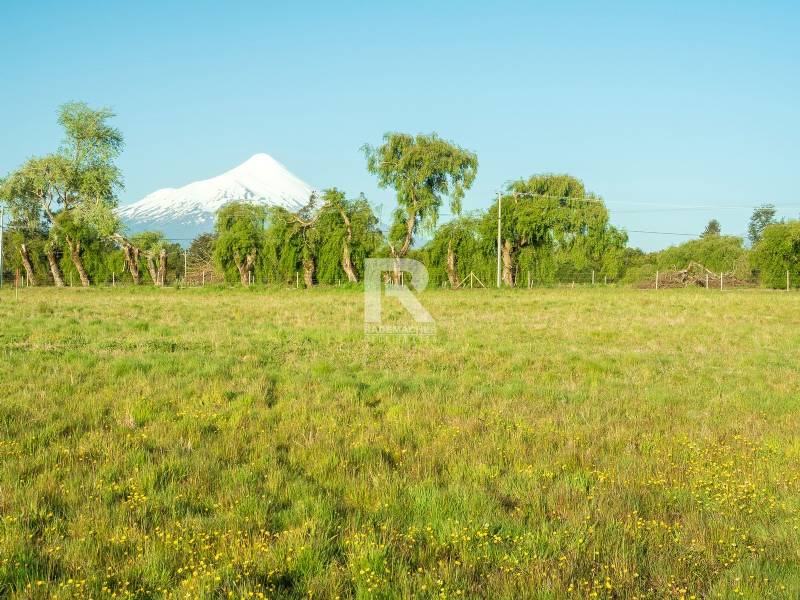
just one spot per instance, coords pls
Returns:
(777, 252)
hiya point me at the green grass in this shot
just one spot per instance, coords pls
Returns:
(545, 443)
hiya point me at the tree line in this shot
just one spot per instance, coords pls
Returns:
(64, 227)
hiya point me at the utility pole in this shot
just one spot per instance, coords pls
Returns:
(184, 266)
(499, 249)
(2, 216)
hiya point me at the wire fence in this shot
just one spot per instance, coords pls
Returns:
(186, 267)
(199, 271)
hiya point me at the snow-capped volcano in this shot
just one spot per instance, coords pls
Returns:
(187, 211)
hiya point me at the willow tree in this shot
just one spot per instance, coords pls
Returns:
(455, 249)
(293, 237)
(777, 254)
(423, 170)
(347, 232)
(327, 243)
(240, 239)
(544, 212)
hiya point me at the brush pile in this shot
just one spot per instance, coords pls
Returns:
(694, 274)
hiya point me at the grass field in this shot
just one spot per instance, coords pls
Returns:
(253, 443)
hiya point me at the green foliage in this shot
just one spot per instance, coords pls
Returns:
(86, 173)
(365, 236)
(73, 189)
(638, 265)
(554, 227)
(423, 170)
(24, 224)
(778, 251)
(99, 255)
(720, 253)
(22, 192)
(284, 245)
(762, 217)
(319, 235)
(463, 236)
(544, 210)
(12, 259)
(240, 232)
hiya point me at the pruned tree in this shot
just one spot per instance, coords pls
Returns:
(153, 247)
(423, 170)
(131, 256)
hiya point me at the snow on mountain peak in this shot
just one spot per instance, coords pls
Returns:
(191, 208)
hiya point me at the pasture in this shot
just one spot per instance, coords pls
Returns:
(547, 443)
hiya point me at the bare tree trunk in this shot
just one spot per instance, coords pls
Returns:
(308, 271)
(75, 255)
(347, 264)
(151, 268)
(452, 274)
(396, 273)
(398, 254)
(244, 274)
(131, 254)
(55, 270)
(162, 265)
(244, 267)
(410, 222)
(26, 262)
(508, 267)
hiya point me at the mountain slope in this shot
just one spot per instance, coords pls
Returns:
(184, 212)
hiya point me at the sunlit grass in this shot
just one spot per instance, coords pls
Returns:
(546, 443)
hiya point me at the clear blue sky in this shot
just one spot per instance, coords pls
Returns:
(686, 104)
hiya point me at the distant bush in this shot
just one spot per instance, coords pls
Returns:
(777, 252)
(719, 253)
(715, 252)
